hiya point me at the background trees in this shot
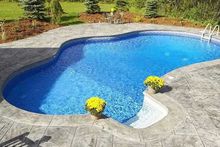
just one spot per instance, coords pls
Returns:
(151, 8)
(122, 5)
(198, 10)
(34, 9)
(92, 6)
(56, 11)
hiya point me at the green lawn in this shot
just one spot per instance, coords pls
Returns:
(12, 11)
(72, 10)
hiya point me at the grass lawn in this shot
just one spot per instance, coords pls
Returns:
(13, 11)
(72, 10)
(10, 11)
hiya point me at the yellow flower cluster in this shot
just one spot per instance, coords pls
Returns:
(113, 9)
(154, 82)
(95, 105)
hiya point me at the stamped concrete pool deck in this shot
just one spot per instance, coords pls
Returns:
(193, 102)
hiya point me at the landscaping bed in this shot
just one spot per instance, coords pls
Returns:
(25, 28)
(135, 18)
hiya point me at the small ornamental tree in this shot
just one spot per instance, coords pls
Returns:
(151, 8)
(92, 6)
(34, 9)
(122, 5)
(56, 11)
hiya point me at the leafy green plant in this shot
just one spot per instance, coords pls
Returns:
(56, 11)
(197, 10)
(122, 5)
(92, 6)
(151, 9)
(139, 3)
(34, 9)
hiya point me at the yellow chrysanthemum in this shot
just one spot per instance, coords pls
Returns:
(154, 82)
(95, 105)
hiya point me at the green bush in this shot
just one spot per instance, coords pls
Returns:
(151, 9)
(34, 9)
(56, 11)
(122, 5)
(92, 6)
(139, 3)
(197, 10)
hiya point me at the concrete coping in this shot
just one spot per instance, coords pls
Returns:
(176, 114)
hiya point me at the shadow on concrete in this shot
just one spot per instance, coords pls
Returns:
(103, 116)
(1, 99)
(70, 20)
(23, 141)
(165, 89)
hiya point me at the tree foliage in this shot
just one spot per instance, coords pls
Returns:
(151, 8)
(56, 11)
(199, 10)
(34, 9)
(122, 5)
(92, 6)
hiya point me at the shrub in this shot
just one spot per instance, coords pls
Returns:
(154, 82)
(197, 10)
(56, 11)
(122, 5)
(151, 9)
(34, 9)
(95, 105)
(139, 4)
(92, 6)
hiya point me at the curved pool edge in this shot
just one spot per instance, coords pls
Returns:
(175, 116)
(19, 115)
(70, 42)
(163, 128)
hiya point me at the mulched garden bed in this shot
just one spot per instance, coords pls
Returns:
(25, 28)
(134, 18)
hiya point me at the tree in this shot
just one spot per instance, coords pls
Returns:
(139, 3)
(151, 8)
(56, 11)
(92, 6)
(34, 9)
(122, 5)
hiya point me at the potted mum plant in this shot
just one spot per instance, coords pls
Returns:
(95, 105)
(154, 84)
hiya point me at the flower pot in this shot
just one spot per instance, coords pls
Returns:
(151, 90)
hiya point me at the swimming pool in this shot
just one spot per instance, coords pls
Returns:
(113, 68)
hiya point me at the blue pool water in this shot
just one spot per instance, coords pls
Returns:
(113, 69)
